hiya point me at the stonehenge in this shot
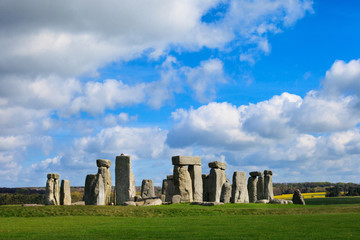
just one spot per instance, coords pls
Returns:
(147, 189)
(98, 186)
(52, 190)
(217, 178)
(65, 194)
(186, 184)
(124, 180)
(239, 188)
(187, 176)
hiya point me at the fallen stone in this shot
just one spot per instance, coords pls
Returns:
(129, 203)
(176, 199)
(207, 203)
(186, 160)
(79, 203)
(182, 183)
(31, 205)
(65, 194)
(147, 188)
(153, 202)
(216, 164)
(103, 163)
(239, 188)
(262, 201)
(298, 198)
(278, 201)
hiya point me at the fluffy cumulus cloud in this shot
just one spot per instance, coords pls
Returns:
(314, 134)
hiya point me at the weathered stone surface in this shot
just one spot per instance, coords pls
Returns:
(186, 160)
(167, 190)
(103, 163)
(52, 189)
(176, 199)
(262, 201)
(260, 187)
(182, 183)
(170, 177)
(205, 178)
(152, 202)
(298, 198)
(197, 182)
(226, 192)
(278, 201)
(53, 175)
(252, 183)
(255, 173)
(268, 185)
(163, 197)
(147, 188)
(124, 180)
(239, 188)
(216, 164)
(65, 194)
(79, 203)
(217, 178)
(106, 176)
(129, 203)
(94, 192)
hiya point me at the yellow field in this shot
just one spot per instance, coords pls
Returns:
(305, 195)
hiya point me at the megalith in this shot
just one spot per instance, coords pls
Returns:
(124, 180)
(52, 189)
(167, 190)
(94, 192)
(298, 198)
(217, 178)
(239, 188)
(268, 185)
(252, 186)
(188, 166)
(260, 186)
(104, 171)
(226, 192)
(205, 178)
(147, 188)
(182, 183)
(65, 193)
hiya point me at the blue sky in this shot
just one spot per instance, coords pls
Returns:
(260, 84)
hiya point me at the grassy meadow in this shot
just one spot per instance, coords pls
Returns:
(316, 220)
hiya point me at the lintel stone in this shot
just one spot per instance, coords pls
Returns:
(216, 164)
(186, 160)
(255, 174)
(103, 163)
(53, 175)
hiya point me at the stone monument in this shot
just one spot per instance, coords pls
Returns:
(124, 180)
(147, 188)
(52, 189)
(239, 188)
(65, 193)
(217, 178)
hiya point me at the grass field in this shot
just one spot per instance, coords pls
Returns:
(183, 221)
(305, 195)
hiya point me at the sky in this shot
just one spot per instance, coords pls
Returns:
(257, 84)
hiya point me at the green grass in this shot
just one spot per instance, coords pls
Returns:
(333, 200)
(183, 221)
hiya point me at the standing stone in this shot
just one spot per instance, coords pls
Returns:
(298, 198)
(239, 189)
(205, 178)
(94, 192)
(104, 170)
(197, 182)
(182, 183)
(52, 189)
(168, 188)
(268, 185)
(124, 180)
(65, 194)
(226, 192)
(217, 178)
(252, 182)
(147, 188)
(260, 186)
